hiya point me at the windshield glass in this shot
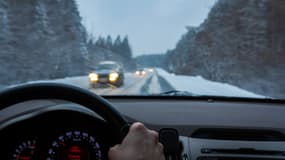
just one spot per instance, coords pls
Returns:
(229, 48)
(106, 66)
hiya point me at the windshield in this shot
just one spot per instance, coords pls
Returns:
(228, 48)
(106, 66)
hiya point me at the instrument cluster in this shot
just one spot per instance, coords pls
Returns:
(70, 145)
(53, 137)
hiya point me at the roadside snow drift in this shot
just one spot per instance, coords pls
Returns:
(200, 86)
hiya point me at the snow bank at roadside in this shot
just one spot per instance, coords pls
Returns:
(200, 86)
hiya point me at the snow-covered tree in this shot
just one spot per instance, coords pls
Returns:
(109, 42)
(125, 48)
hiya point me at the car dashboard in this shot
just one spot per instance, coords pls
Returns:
(208, 129)
(212, 129)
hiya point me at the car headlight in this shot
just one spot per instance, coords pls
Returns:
(137, 72)
(93, 77)
(113, 76)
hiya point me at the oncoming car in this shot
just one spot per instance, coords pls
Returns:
(140, 72)
(151, 70)
(107, 73)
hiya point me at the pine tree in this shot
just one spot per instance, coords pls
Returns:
(109, 42)
(100, 42)
(126, 49)
(117, 44)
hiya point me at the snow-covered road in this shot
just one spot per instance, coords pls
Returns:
(136, 85)
(161, 81)
(133, 84)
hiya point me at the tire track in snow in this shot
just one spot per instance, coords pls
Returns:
(156, 85)
(145, 88)
(135, 89)
(164, 84)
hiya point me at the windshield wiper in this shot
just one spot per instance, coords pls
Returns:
(177, 93)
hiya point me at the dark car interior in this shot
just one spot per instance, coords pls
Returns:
(74, 123)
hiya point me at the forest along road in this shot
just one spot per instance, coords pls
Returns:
(151, 83)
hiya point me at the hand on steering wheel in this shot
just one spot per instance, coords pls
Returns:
(139, 144)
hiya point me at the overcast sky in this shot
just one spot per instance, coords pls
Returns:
(152, 26)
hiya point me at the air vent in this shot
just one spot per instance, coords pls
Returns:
(239, 134)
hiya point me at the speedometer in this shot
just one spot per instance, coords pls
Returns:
(75, 145)
(25, 151)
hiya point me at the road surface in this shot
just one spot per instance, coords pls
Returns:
(149, 84)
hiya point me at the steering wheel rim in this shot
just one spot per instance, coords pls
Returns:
(66, 92)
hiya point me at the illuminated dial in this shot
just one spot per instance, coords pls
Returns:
(75, 145)
(25, 151)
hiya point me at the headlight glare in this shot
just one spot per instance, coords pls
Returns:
(93, 77)
(113, 76)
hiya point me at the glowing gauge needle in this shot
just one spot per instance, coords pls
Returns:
(62, 143)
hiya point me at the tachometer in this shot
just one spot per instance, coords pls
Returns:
(25, 151)
(75, 145)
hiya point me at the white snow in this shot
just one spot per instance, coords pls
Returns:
(154, 87)
(200, 86)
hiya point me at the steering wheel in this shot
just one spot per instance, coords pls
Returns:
(65, 92)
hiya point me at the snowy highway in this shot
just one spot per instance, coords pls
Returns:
(151, 83)
(160, 81)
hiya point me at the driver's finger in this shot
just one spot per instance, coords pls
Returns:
(154, 136)
(160, 147)
(113, 151)
(135, 131)
(137, 127)
(115, 147)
